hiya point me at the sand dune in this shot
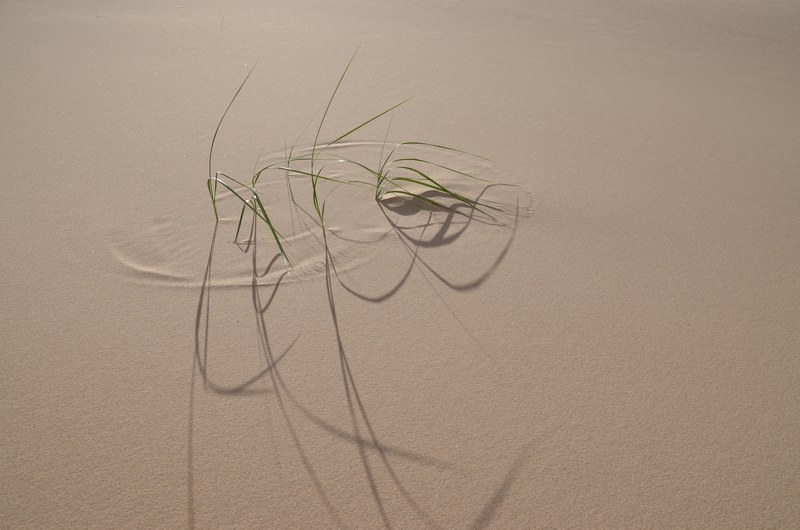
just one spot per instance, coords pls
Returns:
(619, 349)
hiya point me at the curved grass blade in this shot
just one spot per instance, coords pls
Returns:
(275, 233)
(434, 185)
(214, 139)
(262, 214)
(440, 166)
(444, 147)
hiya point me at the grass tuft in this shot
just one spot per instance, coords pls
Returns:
(395, 175)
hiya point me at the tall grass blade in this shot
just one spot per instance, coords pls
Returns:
(354, 129)
(216, 131)
(328, 107)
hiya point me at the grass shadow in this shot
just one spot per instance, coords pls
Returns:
(360, 434)
(405, 186)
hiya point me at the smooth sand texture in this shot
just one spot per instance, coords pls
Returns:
(630, 360)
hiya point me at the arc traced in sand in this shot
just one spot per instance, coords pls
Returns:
(170, 249)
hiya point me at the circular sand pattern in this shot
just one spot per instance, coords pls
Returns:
(430, 227)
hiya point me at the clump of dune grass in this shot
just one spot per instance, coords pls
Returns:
(394, 175)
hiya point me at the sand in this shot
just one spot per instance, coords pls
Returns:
(622, 353)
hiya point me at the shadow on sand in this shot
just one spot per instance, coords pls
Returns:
(361, 434)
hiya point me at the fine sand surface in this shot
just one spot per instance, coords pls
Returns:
(621, 349)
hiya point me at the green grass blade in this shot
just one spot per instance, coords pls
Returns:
(245, 201)
(239, 226)
(444, 147)
(440, 166)
(354, 129)
(239, 182)
(272, 229)
(427, 200)
(385, 137)
(430, 183)
(219, 124)
(327, 108)
(322, 177)
(425, 176)
(213, 198)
